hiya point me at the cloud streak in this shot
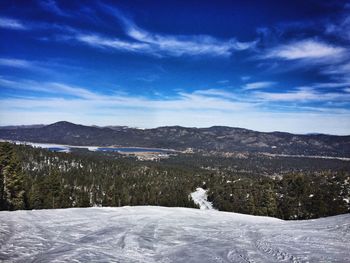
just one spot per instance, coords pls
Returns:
(308, 49)
(13, 24)
(165, 45)
(152, 114)
(114, 43)
(15, 63)
(213, 99)
(52, 6)
(302, 95)
(56, 101)
(258, 85)
(187, 45)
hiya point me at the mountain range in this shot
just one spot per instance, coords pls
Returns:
(212, 139)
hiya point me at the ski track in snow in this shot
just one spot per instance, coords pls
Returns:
(200, 197)
(160, 234)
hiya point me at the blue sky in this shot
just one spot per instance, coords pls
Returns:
(263, 65)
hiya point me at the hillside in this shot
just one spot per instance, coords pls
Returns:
(159, 234)
(214, 139)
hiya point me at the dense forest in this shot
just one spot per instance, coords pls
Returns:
(34, 178)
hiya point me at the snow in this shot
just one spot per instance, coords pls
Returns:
(200, 197)
(64, 147)
(92, 148)
(160, 234)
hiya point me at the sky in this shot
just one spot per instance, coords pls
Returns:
(261, 65)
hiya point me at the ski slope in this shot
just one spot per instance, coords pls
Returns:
(200, 198)
(160, 234)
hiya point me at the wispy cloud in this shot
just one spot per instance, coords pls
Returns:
(200, 99)
(16, 63)
(340, 28)
(331, 85)
(215, 93)
(187, 45)
(11, 23)
(161, 46)
(142, 41)
(200, 111)
(214, 99)
(258, 85)
(48, 67)
(308, 49)
(52, 6)
(57, 101)
(114, 43)
(29, 65)
(340, 70)
(174, 45)
(224, 81)
(302, 95)
(49, 88)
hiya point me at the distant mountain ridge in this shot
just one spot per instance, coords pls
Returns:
(216, 138)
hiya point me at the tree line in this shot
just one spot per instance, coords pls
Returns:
(39, 179)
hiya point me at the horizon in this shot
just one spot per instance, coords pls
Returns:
(190, 64)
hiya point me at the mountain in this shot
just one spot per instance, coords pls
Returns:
(214, 139)
(14, 127)
(160, 234)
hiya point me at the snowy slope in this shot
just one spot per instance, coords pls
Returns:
(159, 234)
(200, 198)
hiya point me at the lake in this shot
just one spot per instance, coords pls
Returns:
(67, 148)
(132, 149)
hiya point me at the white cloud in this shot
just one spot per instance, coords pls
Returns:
(340, 28)
(59, 101)
(88, 113)
(200, 99)
(187, 45)
(331, 85)
(258, 85)
(306, 49)
(48, 88)
(216, 93)
(159, 45)
(10, 23)
(178, 45)
(16, 63)
(338, 69)
(115, 43)
(302, 95)
(142, 41)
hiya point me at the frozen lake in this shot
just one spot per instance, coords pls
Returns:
(159, 234)
(132, 149)
(67, 148)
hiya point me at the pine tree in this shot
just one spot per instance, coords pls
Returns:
(270, 202)
(54, 186)
(250, 205)
(6, 152)
(13, 181)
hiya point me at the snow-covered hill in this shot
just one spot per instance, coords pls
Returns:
(159, 234)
